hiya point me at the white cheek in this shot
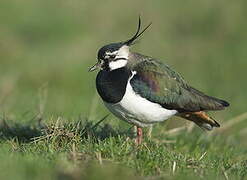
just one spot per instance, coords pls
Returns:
(123, 52)
(117, 64)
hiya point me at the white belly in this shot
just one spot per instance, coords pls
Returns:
(139, 111)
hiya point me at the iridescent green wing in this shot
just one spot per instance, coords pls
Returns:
(158, 83)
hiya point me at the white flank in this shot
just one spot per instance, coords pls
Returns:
(117, 64)
(137, 110)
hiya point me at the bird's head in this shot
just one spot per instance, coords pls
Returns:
(115, 55)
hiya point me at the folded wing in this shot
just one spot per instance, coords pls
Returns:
(160, 84)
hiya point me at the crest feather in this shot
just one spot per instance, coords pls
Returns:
(137, 34)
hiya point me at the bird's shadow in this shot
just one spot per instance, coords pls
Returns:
(37, 130)
(18, 131)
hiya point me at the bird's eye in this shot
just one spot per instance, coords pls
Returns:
(112, 56)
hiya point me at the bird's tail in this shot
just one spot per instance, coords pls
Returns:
(201, 119)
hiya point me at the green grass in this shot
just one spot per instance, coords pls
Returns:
(49, 107)
(89, 150)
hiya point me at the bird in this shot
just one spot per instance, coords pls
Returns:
(143, 91)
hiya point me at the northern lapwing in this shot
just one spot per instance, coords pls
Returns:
(143, 91)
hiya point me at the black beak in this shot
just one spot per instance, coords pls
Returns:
(94, 67)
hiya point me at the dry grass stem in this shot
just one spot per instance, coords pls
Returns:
(174, 167)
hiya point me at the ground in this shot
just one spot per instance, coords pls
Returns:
(84, 149)
(52, 123)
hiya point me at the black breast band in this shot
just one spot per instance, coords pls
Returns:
(111, 85)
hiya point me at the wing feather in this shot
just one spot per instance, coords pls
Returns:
(160, 84)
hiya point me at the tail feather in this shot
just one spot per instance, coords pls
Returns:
(201, 119)
(209, 102)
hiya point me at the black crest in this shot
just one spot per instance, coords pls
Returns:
(116, 46)
(137, 34)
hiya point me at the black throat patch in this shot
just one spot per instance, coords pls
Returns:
(111, 85)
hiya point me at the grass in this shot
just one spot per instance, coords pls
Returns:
(49, 108)
(83, 149)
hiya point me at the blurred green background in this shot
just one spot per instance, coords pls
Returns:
(51, 44)
(47, 46)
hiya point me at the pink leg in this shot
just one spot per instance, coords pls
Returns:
(139, 136)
